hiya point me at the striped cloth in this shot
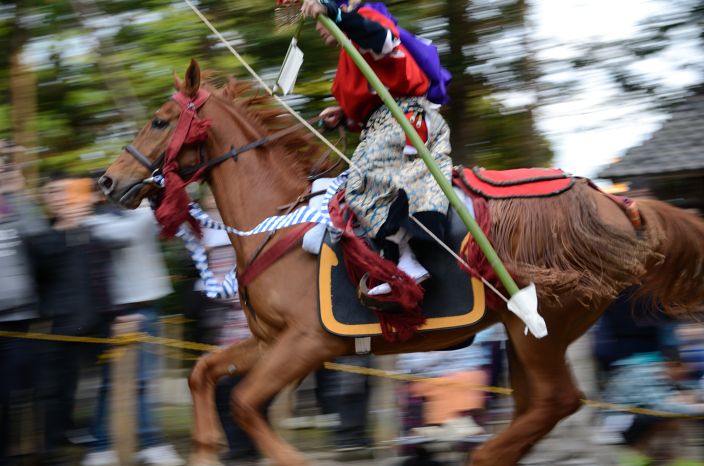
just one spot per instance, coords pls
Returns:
(228, 288)
(212, 287)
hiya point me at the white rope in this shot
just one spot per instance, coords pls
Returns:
(267, 88)
(455, 255)
(227, 289)
(315, 131)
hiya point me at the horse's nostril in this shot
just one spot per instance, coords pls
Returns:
(106, 184)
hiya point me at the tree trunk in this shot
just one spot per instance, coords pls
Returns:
(23, 103)
(466, 127)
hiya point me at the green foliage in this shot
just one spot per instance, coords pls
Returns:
(129, 49)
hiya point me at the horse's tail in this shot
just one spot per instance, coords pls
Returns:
(676, 283)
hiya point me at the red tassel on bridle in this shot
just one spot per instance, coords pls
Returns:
(172, 210)
(198, 131)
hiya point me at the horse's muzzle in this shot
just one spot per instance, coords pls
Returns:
(133, 196)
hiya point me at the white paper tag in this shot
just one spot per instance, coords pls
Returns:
(290, 67)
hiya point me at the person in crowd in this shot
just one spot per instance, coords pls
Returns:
(19, 218)
(352, 393)
(637, 353)
(448, 405)
(342, 400)
(71, 276)
(138, 277)
(388, 181)
(654, 381)
(627, 327)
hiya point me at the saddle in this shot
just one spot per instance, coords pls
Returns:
(451, 299)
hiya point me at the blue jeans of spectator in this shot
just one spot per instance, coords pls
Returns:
(352, 393)
(148, 434)
(20, 375)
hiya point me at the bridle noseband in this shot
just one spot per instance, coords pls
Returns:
(153, 167)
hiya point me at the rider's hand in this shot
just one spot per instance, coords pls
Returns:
(312, 8)
(332, 116)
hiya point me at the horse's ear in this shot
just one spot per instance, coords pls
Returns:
(192, 83)
(178, 83)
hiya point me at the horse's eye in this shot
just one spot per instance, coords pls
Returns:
(159, 124)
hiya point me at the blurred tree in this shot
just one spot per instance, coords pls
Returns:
(671, 39)
(492, 63)
(100, 67)
(22, 96)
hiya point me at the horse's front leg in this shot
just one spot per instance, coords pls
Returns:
(547, 395)
(235, 359)
(296, 353)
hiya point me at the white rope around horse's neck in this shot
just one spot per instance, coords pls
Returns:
(317, 133)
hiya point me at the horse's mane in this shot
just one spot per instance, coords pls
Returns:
(301, 147)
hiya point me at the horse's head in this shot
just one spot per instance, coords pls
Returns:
(131, 178)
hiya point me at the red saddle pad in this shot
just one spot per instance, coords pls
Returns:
(519, 182)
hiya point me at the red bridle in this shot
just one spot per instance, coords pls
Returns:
(172, 209)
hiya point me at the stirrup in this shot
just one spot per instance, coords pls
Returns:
(385, 288)
(370, 302)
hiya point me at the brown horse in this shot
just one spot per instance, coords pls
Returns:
(579, 248)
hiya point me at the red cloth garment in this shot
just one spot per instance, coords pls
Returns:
(514, 183)
(417, 119)
(398, 71)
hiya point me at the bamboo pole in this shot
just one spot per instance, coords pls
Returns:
(472, 226)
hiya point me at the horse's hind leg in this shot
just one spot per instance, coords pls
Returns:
(237, 358)
(545, 391)
(296, 353)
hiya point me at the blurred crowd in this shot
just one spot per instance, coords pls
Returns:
(71, 264)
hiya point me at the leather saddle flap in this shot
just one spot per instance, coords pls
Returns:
(452, 299)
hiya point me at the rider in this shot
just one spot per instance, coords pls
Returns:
(390, 181)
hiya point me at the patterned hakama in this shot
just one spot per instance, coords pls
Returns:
(382, 169)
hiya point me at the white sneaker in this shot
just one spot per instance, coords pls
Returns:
(429, 432)
(295, 423)
(326, 421)
(101, 458)
(461, 427)
(160, 455)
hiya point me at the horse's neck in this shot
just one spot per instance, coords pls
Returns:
(252, 188)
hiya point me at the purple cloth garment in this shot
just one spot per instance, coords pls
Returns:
(424, 53)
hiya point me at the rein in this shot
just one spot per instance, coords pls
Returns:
(190, 129)
(156, 167)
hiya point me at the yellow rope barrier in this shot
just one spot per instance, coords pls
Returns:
(56, 337)
(138, 337)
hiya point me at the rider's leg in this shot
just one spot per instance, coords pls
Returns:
(407, 262)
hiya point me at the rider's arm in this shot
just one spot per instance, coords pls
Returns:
(363, 31)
